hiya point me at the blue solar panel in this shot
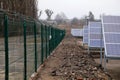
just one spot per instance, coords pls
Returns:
(95, 35)
(112, 27)
(112, 38)
(113, 49)
(85, 35)
(111, 19)
(95, 24)
(95, 30)
(86, 40)
(96, 43)
(111, 34)
(86, 31)
(77, 32)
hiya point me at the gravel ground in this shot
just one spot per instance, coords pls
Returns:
(70, 61)
(113, 67)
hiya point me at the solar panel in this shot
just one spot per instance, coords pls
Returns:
(112, 38)
(95, 35)
(95, 39)
(77, 32)
(111, 34)
(96, 43)
(112, 27)
(95, 30)
(111, 19)
(95, 24)
(86, 31)
(85, 35)
(113, 49)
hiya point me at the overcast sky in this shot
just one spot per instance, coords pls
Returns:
(79, 8)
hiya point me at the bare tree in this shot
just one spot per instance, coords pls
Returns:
(75, 21)
(26, 7)
(48, 13)
(61, 18)
(40, 13)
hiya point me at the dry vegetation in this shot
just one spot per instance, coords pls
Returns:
(26, 7)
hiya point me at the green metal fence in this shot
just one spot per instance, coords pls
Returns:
(24, 45)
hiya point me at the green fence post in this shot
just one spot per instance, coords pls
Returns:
(48, 39)
(6, 47)
(35, 41)
(54, 39)
(45, 41)
(51, 39)
(51, 46)
(25, 51)
(42, 54)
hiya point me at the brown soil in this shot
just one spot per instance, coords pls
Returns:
(113, 67)
(69, 61)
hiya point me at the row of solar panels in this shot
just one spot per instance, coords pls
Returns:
(77, 32)
(104, 34)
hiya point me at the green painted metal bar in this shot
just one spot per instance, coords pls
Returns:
(6, 47)
(53, 44)
(54, 39)
(45, 41)
(35, 41)
(42, 54)
(25, 51)
(51, 40)
(48, 40)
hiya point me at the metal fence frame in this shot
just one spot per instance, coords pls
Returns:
(50, 38)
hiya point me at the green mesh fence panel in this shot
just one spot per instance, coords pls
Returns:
(16, 48)
(24, 45)
(2, 49)
(38, 27)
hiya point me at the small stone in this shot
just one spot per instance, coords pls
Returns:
(95, 68)
(79, 78)
(65, 73)
(73, 73)
(53, 73)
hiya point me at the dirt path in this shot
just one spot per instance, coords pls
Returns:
(70, 62)
(113, 67)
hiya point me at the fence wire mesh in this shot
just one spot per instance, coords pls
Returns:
(24, 45)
